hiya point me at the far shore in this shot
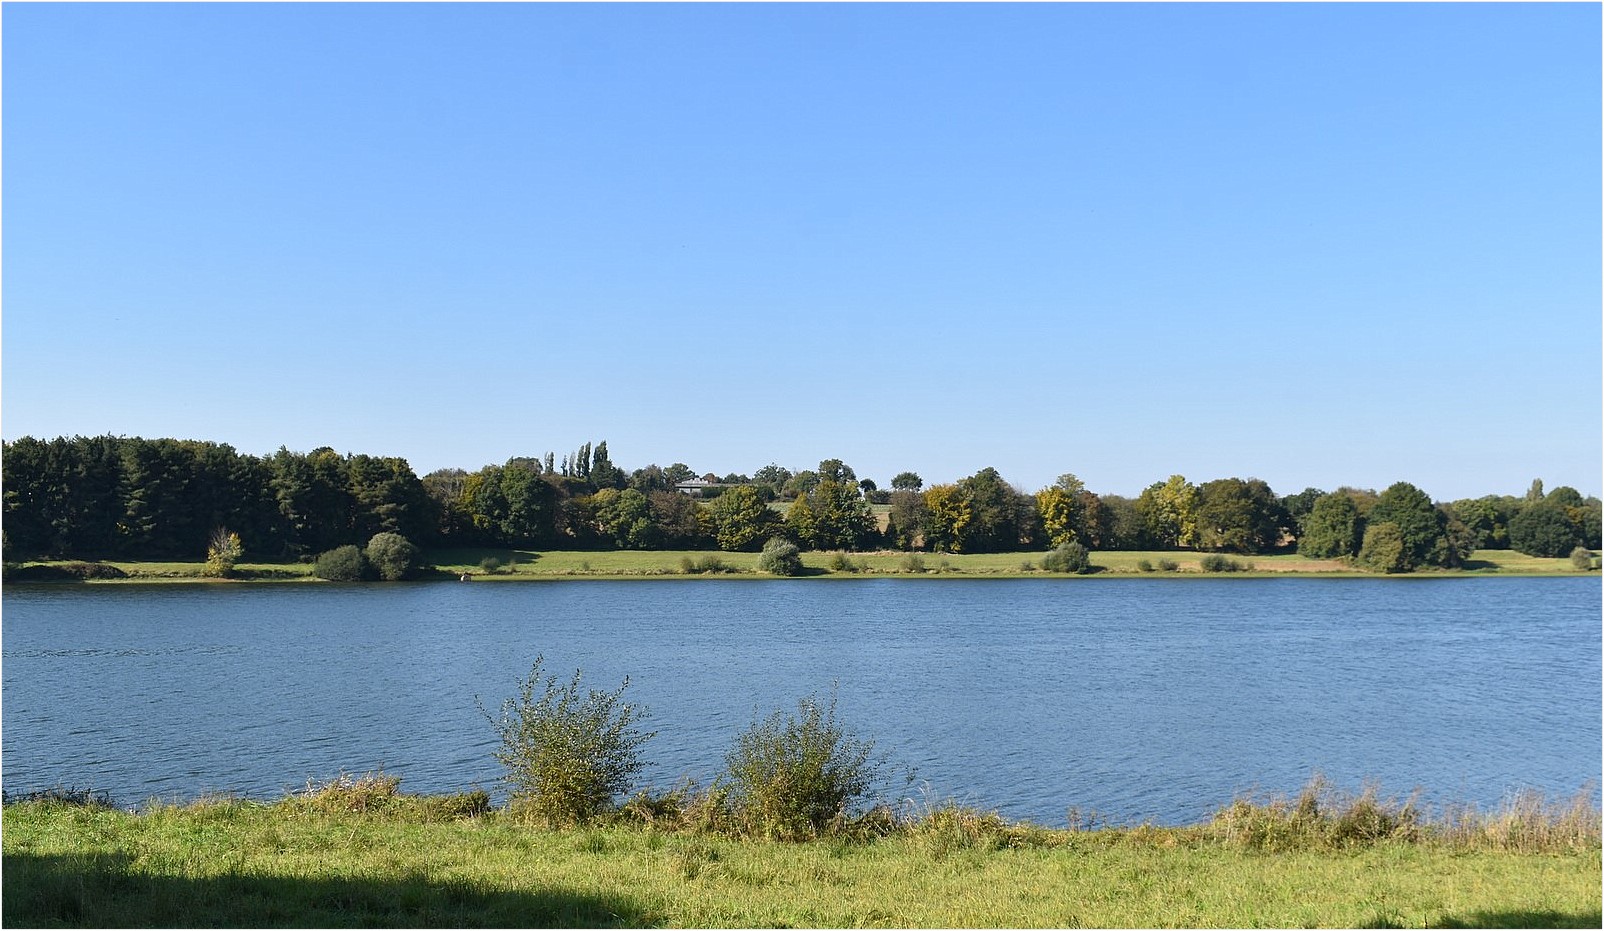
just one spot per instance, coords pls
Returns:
(509, 565)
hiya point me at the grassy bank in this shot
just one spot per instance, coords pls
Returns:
(335, 858)
(511, 565)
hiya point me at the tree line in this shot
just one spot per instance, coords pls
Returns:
(107, 497)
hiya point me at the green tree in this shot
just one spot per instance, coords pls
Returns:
(773, 476)
(1126, 525)
(1237, 516)
(800, 522)
(1419, 523)
(1001, 519)
(625, 517)
(800, 484)
(836, 471)
(741, 519)
(682, 522)
(1169, 509)
(1332, 528)
(1543, 529)
(907, 481)
(842, 520)
(1487, 518)
(1385, 549)
(906, 521)
(1298, 506)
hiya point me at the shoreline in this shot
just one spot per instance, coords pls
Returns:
(656, 565)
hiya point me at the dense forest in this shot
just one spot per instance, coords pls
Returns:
(105, 497)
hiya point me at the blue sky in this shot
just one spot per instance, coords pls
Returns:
(1316, 244)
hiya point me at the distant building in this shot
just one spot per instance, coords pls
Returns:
(694, 486)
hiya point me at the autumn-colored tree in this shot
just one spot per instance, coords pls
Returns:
(947, 518)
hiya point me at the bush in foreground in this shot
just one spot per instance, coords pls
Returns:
(567, 754)
(791, 775)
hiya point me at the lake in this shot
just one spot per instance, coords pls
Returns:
(1139, 699)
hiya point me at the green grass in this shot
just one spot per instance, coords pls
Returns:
(339, 862)
(565, 564)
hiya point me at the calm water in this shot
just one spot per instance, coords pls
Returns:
(1139, 699)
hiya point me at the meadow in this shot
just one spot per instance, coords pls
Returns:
(359, 853)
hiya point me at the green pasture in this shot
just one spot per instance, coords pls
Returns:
(231, 863)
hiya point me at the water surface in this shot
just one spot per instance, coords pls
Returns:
(1139, 699)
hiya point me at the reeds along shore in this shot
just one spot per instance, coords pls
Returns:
(1320, 817)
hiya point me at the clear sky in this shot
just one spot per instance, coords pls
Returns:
(1316, 244)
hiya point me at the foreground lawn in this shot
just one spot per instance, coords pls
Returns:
(579, 564)
(249, 864)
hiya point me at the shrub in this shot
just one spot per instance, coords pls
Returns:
(392, 557)
(222, 552)
(67, 572)
(705, 565)
(342, 564)
(780, 557)
(913, 562)
(792, 776)
(840, 562)
(1320, 818)
(1168, 565)
(1143, 565)
(567, 754)
(1214, 562)
(1068, 557)
(490, 564)
(1582, 558)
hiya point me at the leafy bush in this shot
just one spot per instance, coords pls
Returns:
(66, 572)
(1168, 565)
(792, 775)
(1582, 558)
(222, 552)
(1068, 557)
(1143, 565)
(490, 564)
(567, 754)
(913, 562)
(342, 564)
(780, 557)
(392, 557)
(1214, 562)
(705, 565)
(840, 562)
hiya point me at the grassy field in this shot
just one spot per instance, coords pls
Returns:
(566, 564)
(300, 863)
